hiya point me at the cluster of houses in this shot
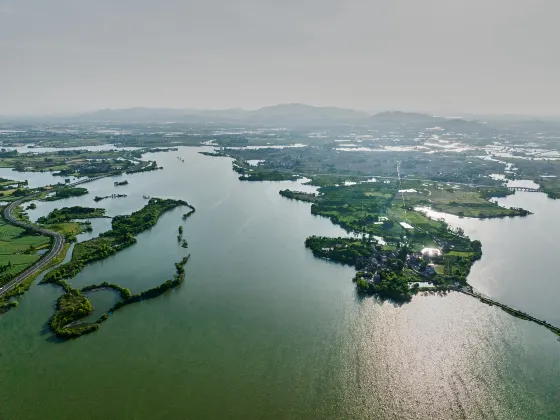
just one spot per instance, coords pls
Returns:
(380, 260)
(423, 262)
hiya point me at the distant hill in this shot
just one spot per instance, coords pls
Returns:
(460, 125)
(423, 121)
(285, 114)
(308, 112)
(278, 115)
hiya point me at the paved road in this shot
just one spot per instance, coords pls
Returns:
(46, 258)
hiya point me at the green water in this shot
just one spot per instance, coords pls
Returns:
(261, 329)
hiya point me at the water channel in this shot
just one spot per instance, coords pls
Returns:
(262, 329)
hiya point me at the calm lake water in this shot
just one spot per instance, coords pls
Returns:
(261, 329)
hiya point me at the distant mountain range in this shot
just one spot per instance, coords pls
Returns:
(278, 114)
(283, 114)
(297, 115)
(290, 115)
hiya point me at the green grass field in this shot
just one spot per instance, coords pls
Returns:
(14, 244)
(460, 254)
(463, 201)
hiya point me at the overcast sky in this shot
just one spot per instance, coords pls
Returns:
(480, 56)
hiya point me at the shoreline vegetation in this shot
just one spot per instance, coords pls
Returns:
(249, 173)
(300, 196)
(73, 305)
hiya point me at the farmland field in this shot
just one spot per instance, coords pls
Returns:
(18, 250)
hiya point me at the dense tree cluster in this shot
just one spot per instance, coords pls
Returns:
(393, 285)
(66, 214)
(67, 192)
(71, 307)
(301, 196)
(142, 219)
(344, 250)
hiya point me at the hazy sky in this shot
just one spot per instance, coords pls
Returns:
(498, 56)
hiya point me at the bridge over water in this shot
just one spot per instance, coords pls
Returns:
(512, 311)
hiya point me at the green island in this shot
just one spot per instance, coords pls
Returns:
(180, 239)
(73, 305)
(66, 192)
(98, 198)
(66, 214)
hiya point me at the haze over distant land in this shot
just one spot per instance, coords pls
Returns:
(289, 115)
(439, 56)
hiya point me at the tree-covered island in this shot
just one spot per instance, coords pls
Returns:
(73, 305)
(66, 192)
(67, 214)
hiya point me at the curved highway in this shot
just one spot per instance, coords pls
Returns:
(46, 258)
